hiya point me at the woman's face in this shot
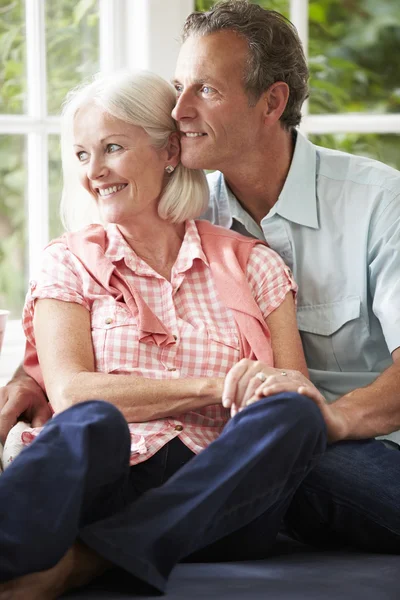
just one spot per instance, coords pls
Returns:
(118, 166)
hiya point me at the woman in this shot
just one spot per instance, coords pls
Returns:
(178, 324)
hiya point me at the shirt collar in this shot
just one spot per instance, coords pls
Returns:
(119, 249)
(297, 201)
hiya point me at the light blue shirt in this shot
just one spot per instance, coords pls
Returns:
(337, 225)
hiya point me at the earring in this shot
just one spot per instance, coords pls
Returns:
(169, 169)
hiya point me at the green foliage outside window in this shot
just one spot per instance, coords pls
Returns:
(72, 55)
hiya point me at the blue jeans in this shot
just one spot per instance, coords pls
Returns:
(350, 499)
(74, 481)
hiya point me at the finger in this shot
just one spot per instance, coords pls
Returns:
(281, 381)
(272, 389)
(234, 410)
(253, 385)
(7, 422)
(312, 393)
(3, 397)
(41, 415)
(230, 391)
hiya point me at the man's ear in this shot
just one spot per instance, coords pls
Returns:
(173, 149)
(276, 98)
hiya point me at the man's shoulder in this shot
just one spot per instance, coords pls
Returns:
(353, 168)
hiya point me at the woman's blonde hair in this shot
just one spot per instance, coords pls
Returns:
(143, 99)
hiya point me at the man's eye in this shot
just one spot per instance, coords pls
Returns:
(178, 88)
(206, 89)
(82, 155)
(113, 147)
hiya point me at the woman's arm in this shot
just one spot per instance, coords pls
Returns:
(64, 346)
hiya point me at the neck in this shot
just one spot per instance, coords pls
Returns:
(259, 178)
(158, 243)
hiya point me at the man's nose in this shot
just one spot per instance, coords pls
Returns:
(185, 107)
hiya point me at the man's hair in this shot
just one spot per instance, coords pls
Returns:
(275, 50)
(139, 98)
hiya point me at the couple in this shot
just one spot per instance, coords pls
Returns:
(200, 315)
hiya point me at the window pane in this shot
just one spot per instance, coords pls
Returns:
(383, 147)
(55, 186)
(12, 224)
(72, 37)
(279, 5)
(12, 56)
(353, 50)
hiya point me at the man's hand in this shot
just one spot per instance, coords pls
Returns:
(293, 381)
(22, 398)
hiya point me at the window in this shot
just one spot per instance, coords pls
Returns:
(47, 47)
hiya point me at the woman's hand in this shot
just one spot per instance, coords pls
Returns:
(250, 380)
(244, 380)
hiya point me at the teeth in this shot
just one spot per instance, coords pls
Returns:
(194, 134)
(110, 190)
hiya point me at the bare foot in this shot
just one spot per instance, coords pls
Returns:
(77, 567)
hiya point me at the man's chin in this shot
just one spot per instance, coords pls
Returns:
(192, 161)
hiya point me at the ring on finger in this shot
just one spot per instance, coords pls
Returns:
(284, 373)
(262, 376)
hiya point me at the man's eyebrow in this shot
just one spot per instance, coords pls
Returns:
(200, 81)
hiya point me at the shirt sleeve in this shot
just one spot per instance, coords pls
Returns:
(270, 278)
(58, 278)
(384, 271)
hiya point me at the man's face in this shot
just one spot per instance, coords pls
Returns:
(218, 127)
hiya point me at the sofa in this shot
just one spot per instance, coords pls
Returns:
(292, 572)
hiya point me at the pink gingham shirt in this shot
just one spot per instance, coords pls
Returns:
(206, 345)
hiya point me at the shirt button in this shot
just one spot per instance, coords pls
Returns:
(178, 428)
(171, 369)
(108, 321)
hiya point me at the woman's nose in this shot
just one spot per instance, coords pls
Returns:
(97, 168)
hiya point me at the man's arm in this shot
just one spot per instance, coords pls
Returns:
(22, 398)
(368, 411)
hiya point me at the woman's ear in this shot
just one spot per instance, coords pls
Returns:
(173, 149)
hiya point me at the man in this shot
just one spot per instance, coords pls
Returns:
(241, 79)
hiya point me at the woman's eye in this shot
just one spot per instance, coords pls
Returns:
(82, 155)
(113, 147)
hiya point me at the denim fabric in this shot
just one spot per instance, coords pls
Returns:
(74, 481)
(351, 498)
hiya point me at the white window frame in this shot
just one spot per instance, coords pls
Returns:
(133, 34)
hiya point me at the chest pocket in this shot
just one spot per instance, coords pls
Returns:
(223, 349)
(114, 336)
(332, 334)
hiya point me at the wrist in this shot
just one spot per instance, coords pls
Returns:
(211, 390)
